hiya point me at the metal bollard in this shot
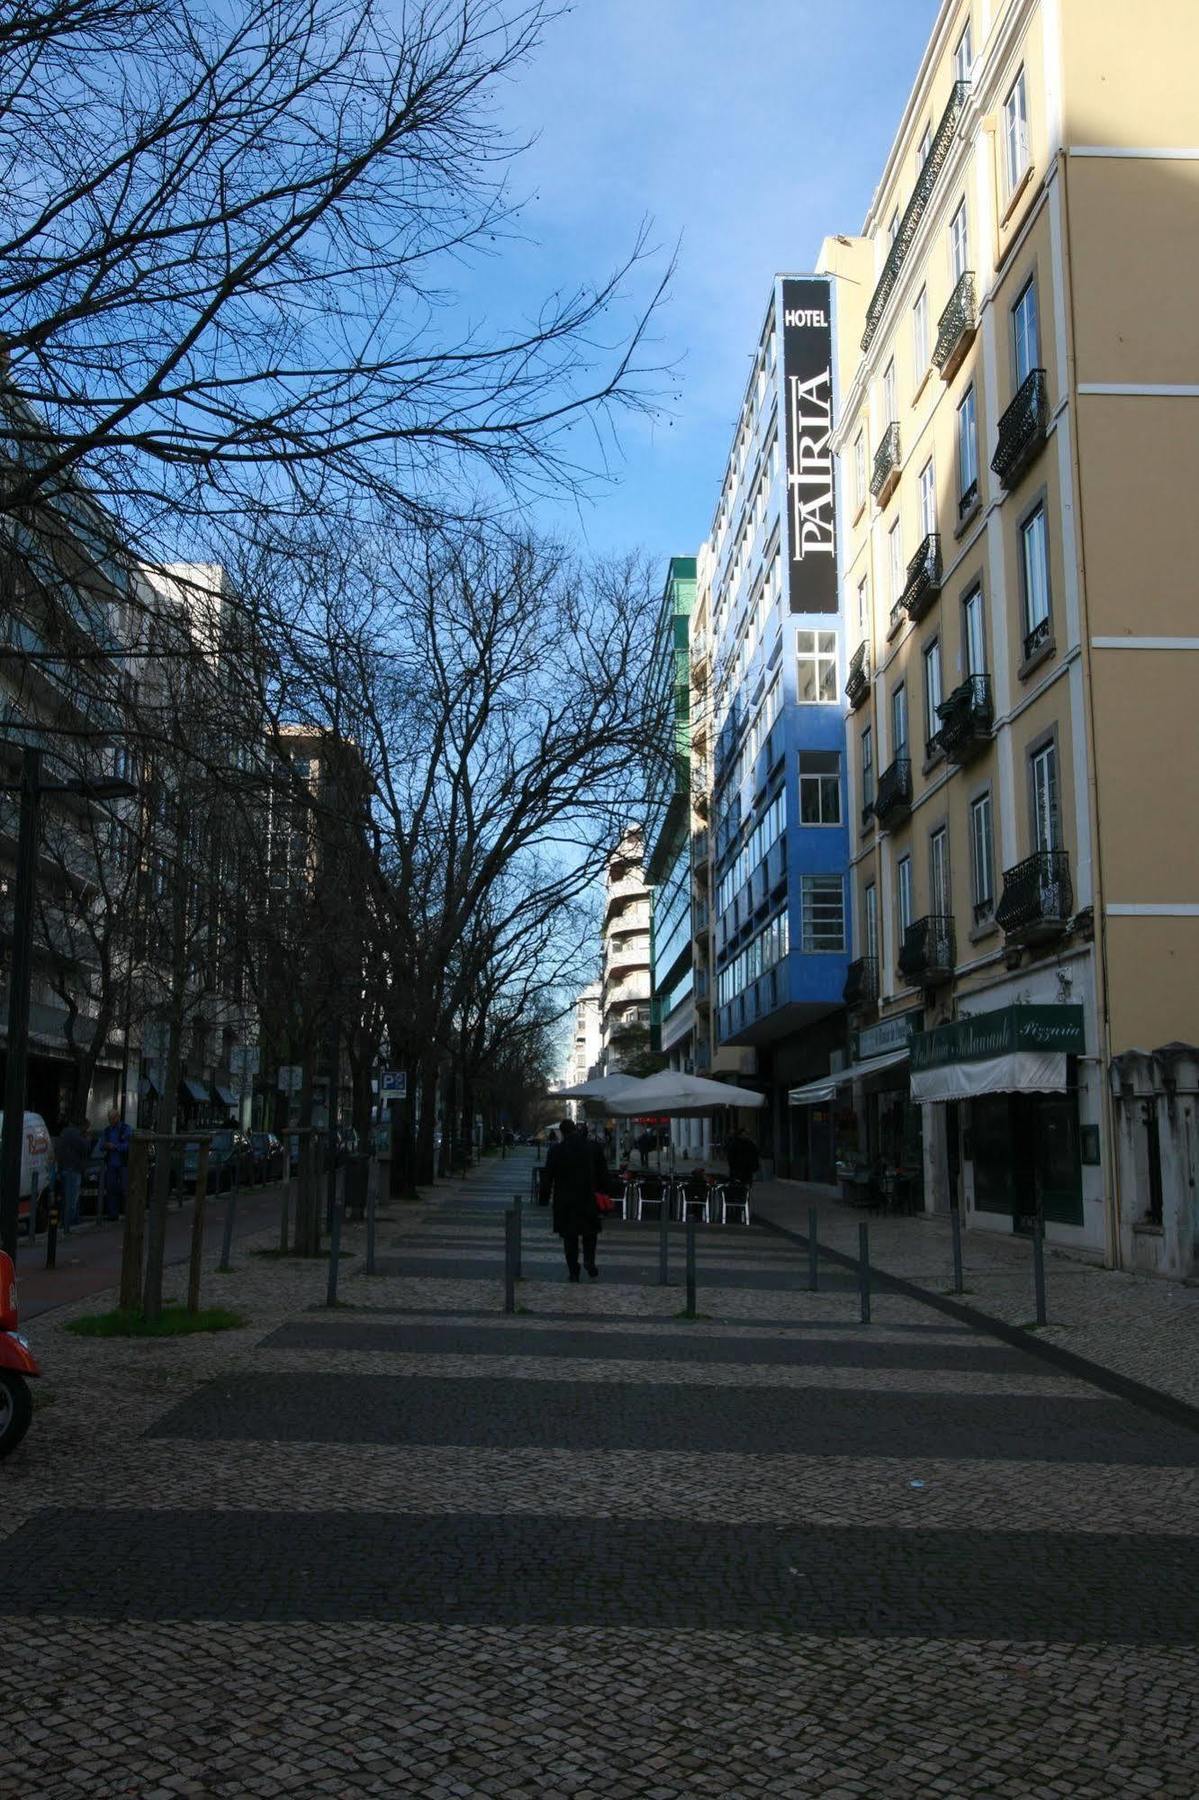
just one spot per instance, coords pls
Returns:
(955, 1220)
(52, 1235)
(518, 1247)
(334, 1251)
(1038, 1266)
(371, 1203)
(690, 1268)
(509, 1261)
(227, 1234)
(864, 1271)
(663, 1240)
(813, 1251)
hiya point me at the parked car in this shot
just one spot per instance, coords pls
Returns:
(268, 1156)
(37, 1169)
(230, 1160)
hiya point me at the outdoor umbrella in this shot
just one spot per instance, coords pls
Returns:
(603, 1087)
(683, 1095)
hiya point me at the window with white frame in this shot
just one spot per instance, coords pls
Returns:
(822, 905)
(923, 147)
(867, 766)
(940, 900)
(920, 346)
(863, 604)
(932, 691)
(895, 563)
(1026, 336)
(982, 863)
(899, 721)
(859, 468)
(893, 227)
(1034, 562)
(819, 787)
(1045, 818)
(1015, 134)
(928, 499)
(890, 410)
(903, 894)
(816, 656)
(959, 244)
(974, 632)
(963, 55)
(967, 452)
(870, 922)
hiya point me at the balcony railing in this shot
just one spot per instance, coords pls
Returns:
(968, 499)
(923, 582)
(966, 718)
(926, 181)
(1022, 429)
(893, 801)
(857, 681)
(1040, 635)
(956, 327)
(929, 950)
(699, 918)
(1037, 899)
(886, 464)
(703, 985)
(861, 982)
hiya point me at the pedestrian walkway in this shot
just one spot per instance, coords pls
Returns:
(415, 1545)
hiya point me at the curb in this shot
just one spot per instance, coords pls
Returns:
(1068, 1362)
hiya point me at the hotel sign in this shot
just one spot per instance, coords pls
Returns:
(808, 391)
(1001, 1033)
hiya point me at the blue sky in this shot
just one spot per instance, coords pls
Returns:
(748, 132)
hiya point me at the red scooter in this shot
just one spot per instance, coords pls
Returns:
(17, 1363)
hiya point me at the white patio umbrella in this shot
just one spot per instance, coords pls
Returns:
(602, 1087)
(672, 1093)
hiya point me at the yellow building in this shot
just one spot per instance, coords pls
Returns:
(1019, 448)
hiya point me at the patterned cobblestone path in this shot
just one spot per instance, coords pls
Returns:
(412, 1546)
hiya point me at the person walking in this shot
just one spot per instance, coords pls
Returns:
(72, 1147)
(742, 1155)
(575, 1171)
(645, 1144)
(115, 1140)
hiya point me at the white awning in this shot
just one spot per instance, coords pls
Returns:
(873, 1064)
(816, 1093)
(1021, 1072)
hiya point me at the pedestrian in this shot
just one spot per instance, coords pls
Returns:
(575, 1171)
(645, 1144)
(742, 1155)
(72, 1147)
(115, 1140)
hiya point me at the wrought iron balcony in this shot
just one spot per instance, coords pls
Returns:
(886, 465)
(968, 499)
(893, 801)
(924, 578)
(867, 812)
(966, 718)
(1035, 639)
(857, 681)
(1022, 429)
(929, 950)
(926, 181)
(1037, 899)
(956, 327)
(861, 983)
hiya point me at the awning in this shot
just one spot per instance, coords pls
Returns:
(195, 1090)
(818, 1093)
(148, 1088)
(1023, 1072)
(226, 1096)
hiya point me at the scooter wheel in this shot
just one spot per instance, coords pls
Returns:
(16, 1410)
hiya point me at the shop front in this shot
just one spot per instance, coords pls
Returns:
(868, 1110)
(1005, 1087)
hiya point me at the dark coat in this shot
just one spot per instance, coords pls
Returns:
(742, 1154)
(574, 1171)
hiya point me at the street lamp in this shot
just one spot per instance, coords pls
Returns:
(31, 787)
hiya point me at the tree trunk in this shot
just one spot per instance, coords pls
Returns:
(468, 1120)
(156, 1234)
(427, 1124)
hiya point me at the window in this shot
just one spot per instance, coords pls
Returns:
(867, 767)
(923, 147)
(963, 56)
(893, 227)
(859, 468)
(1034, 564)
(1015, 134)
(1046, 826)
(928, 499)
(816, 653)
(895, 563)
(932, 692)
(982, 866)
(822, 899)
(890, 411)
(819, 787)
(903, 894)
(1026, 338)
(899, 721)
(938, 873)
(959, 247)
(973, 633)
(862, 604)
(870, 946)
(920, 332)
(967, 453)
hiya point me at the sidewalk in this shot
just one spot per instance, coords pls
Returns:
(1135, 1325)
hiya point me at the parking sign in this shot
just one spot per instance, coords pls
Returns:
(393, 1084)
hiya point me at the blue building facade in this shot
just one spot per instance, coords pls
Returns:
(780, 849)
(668, 823)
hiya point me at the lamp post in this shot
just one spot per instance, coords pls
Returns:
(31, 787)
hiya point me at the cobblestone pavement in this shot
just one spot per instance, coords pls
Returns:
(415, 1546)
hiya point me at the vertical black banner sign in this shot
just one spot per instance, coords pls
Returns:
(808, 387)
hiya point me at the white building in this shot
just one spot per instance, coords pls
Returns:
(626, 985)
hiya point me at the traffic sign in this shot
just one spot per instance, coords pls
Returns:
(393, 1084)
